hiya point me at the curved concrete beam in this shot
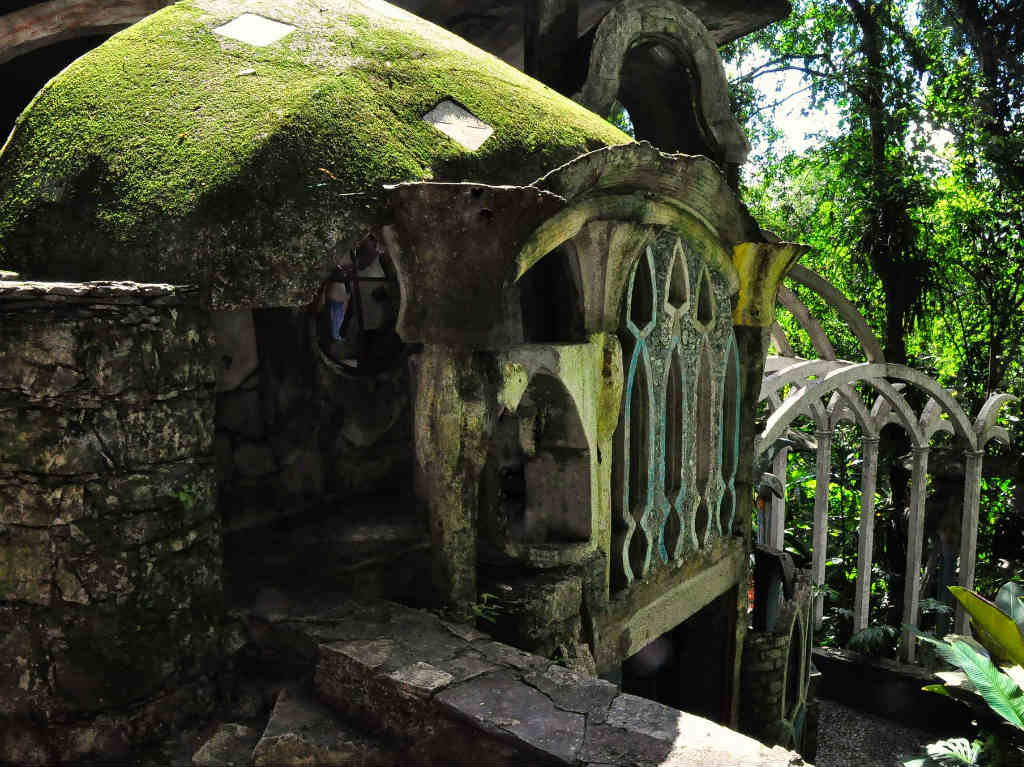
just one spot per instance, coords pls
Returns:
(44, 24)
(670, 23)
(875, 375)
(846, 405)
(932, 422)
(819, 338)
(985, 423)
(781, 340)
(798, 373)
(853, 318)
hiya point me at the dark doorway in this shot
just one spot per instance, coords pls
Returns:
(691, 666)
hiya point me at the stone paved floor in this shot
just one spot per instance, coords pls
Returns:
(848, 737)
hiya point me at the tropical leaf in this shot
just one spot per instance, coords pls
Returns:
(937, 688)
(954, 751)
(1010, 599)
(1003, 695)
(996, 629)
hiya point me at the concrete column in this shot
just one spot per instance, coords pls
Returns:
(915, 536)
(823, 474)
(454, 417)
(776, 522)
(868, 478)
(969, 531)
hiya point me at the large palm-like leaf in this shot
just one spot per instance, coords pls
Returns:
(1010, 599)
(954, 751)
(1002, 694)
(996, 629)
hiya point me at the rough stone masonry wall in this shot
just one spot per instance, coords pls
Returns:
(763, 711)
(110, 540)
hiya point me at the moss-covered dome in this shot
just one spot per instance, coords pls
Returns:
(173, 152)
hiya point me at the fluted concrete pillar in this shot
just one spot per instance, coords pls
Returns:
(915, 538)
(868, 478)
(776, 521)
(823, 474)
(969, 530)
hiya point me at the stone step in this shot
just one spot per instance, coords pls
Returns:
(442, 693)
(302, 731)
(230, 746)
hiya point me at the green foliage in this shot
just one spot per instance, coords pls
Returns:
(925, 235)
(187, 497)
(930, 605)
(873, 640)
(954, 751)
(621, 120)
(997, 630)
(488, 608)
(998, 689)
(1010, 600)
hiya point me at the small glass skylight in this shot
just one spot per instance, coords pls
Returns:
(459, 125)
(254, 30)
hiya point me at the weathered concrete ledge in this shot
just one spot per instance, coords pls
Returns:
(451, 694)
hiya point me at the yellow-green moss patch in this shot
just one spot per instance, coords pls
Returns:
(171, 152)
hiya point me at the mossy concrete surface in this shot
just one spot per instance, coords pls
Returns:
(174, 153)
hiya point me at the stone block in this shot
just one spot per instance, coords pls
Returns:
(50, 442)
(572, 691)
(230, 746)
(27, 565)
(421, 679)
(37, 502)
(500, 704)
(303, 732)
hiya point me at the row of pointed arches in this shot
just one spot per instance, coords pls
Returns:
(870, 395)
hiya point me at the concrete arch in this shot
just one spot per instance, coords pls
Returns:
(781, 340)
(819, 338)
(43, 24)
(846, 310)
(823, 346)
(845, 405)
(985, 424)
(672, 25)
(798, 373)
(932, 422)
(875, 375)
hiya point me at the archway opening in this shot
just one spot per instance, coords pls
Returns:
(660, 91)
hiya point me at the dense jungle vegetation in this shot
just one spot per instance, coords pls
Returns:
(912, 197)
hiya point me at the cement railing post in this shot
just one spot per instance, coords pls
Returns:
(823, 474)
(969, 531)
(869, 475)
(915, 540)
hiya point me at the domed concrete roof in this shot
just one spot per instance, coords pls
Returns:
(231, 143)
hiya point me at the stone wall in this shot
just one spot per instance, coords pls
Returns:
(294, 431)
(110, 541)
(774, 706)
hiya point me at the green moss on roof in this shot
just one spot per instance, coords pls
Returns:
(170, 141)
